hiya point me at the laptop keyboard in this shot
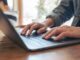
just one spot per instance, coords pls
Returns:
(37, 42)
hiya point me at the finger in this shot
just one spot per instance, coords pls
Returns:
(30, 31)
(48, 31)
(44, 36)
(25, 29)
(41, 30)
(33, 27)
(54, 32)
(50, 34)
(62, 35)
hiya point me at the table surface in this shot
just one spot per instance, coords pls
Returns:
(10, 51)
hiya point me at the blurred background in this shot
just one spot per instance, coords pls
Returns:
(29, 10)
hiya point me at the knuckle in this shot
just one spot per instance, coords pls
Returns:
(64, 34)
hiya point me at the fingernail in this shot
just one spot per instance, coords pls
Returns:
(43, 37)
(28, 34)
(22, 34)
(56, 39)
(38, 32)
(46, 38)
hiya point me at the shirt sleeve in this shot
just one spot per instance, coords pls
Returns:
(62, 13)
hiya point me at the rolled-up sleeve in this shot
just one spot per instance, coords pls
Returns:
(62, 13)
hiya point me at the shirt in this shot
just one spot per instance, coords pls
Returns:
(65, 10)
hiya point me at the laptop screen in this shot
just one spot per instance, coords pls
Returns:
(7, 28)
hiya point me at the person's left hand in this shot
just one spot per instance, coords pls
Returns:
(63, 31)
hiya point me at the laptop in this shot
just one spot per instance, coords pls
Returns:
(32, 43)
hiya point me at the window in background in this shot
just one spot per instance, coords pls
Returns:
(10, 4)
(13, 5)
(13, 10)
(36, 10)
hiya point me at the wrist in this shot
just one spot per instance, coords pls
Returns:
(48, 22)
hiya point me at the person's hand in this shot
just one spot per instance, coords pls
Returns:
(64, 31)
(27, 30)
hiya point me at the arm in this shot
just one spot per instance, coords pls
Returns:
(62, 13)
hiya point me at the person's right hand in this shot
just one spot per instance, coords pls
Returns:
(40, 28)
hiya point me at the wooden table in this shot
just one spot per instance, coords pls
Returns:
(10, 51)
